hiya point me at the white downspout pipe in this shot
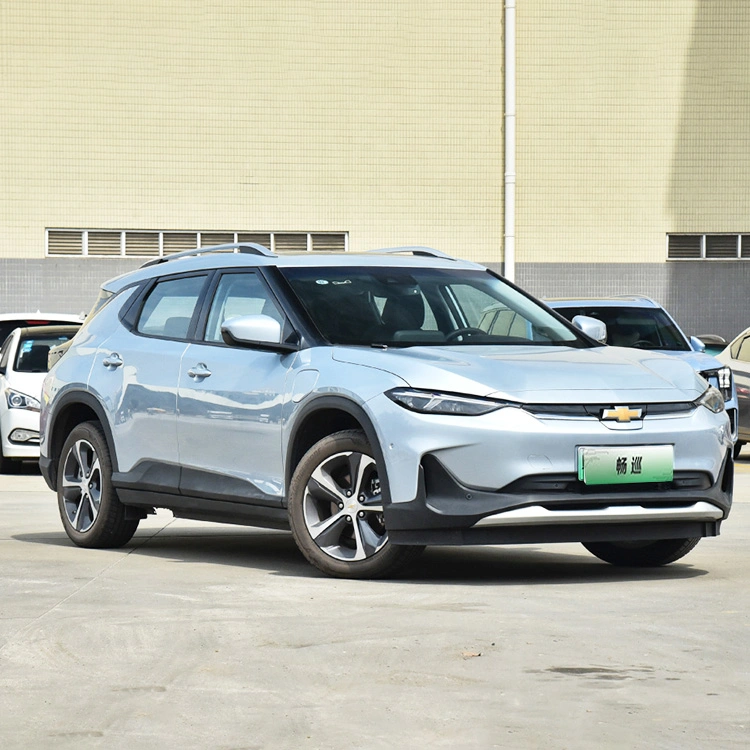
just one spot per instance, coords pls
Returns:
(509, 244)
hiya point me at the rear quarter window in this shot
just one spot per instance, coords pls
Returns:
(169, 307)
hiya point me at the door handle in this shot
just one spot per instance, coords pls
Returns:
(199, 371)
(113, 360)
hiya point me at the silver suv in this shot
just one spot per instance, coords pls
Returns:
(356, 400)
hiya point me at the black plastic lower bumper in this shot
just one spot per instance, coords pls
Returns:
(444, 512)
(46, 467)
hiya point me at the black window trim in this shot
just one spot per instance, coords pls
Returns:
(209, 294)
(131, 315)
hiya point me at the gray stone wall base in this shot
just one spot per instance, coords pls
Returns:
(704, 297)
(62, 285)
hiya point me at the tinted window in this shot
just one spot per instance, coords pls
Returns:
(239, 294)
(5, 352)
(169, 307)
(417, 306)
(8, 326)
(633, 327)
(743, 353)
(31, 355)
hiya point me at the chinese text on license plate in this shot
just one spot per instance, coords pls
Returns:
(626, 464)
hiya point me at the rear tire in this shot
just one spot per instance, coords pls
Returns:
(336, 511)
(736, 450)
(642, 554)
(90, 510)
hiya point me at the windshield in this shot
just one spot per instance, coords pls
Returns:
(634, 327)
(422, 306)
(32, 352)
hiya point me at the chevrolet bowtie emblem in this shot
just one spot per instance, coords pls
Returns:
(621, 414)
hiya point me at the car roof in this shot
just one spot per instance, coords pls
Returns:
(221, 256)
(41, 316)
(623, 300)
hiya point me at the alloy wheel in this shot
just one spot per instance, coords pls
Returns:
(82, 486)
(343, 507)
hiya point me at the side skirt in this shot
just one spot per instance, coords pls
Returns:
(201, 509)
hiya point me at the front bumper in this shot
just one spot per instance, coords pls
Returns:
(549, 508)
(20, 420)
(511, 477)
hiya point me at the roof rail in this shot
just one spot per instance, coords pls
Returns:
(252, 248)
(641, 297)
(414, 250)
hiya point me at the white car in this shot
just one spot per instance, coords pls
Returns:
(737, 356)
(23, 367)
(12, 320)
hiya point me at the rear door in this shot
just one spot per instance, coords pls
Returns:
(135, 374)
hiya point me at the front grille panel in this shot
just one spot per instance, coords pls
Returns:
(569, 483)
(595, 410)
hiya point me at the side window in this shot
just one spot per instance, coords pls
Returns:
(239, 294)
(743, 354)
(5, 353)
(169, 307)
(483, 311)
(509, 323)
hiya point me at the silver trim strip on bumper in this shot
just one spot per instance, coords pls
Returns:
(536, 515)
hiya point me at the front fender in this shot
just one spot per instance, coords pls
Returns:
(327, 402)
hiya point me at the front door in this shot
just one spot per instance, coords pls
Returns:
(230, 402)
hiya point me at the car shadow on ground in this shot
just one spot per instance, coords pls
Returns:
(277, 553)
(24, 468)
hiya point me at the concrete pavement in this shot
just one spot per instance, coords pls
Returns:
(205, 636)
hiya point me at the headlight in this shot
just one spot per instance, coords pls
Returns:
(712, 400)
(17, 400)
(721, 379)
(431, 402)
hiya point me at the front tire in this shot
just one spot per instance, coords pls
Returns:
(90, 510)
(336, 511)
(642, 554)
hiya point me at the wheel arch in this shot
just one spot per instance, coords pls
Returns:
(324, 416)
(73, 409)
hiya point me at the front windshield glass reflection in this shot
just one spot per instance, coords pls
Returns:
(423, 307)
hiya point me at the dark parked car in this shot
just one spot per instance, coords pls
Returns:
(641, 323)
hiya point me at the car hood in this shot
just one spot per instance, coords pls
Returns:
(699, 361)
(537, 374)
(28, 383)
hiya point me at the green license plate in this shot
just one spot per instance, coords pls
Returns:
(626, 465)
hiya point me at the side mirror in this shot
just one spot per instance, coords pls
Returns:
(591, 327)
(255, 330)
(696, 344)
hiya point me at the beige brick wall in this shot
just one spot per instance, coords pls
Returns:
(633, 121)
(382, 119)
